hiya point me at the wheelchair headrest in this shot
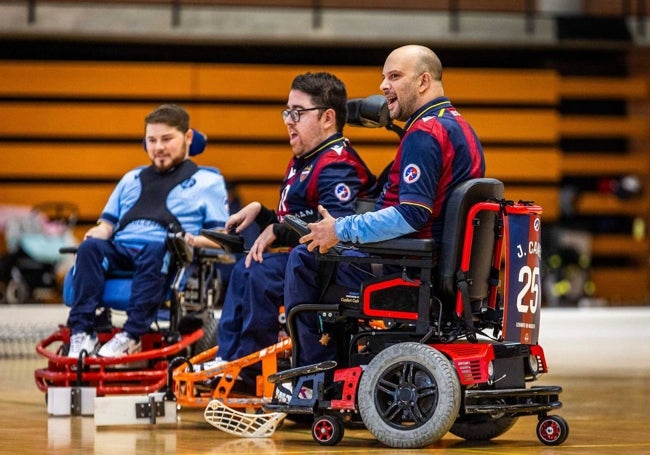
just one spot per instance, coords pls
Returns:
(199, 141)
(462, 198)
(369, 112)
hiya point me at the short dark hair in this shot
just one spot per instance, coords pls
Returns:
(325, 89)
(171, 115)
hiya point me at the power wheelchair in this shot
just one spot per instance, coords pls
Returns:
(440, 347)
(448, 344)
(185, 325)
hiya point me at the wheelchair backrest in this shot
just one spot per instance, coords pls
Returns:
(461, 200)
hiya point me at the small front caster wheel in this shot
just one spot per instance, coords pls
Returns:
(552, 430)
(327, 430)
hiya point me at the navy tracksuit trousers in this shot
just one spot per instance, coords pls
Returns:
(96, 257)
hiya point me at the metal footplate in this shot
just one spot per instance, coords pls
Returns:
(287, 375)
(513, 401)
(288, 396)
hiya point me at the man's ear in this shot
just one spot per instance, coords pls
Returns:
(330, 116)
(144, 143)
(425, 82)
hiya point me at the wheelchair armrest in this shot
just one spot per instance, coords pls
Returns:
(215, 255)
(212, 253)
(399, 246)
(232, 243)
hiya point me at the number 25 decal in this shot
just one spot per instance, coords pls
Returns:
(530, 278)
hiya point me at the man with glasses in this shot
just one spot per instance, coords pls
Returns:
(324, 170)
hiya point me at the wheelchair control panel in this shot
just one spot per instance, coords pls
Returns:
(297, 224)
(231, 242)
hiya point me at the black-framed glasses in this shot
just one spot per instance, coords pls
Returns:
(295, 113)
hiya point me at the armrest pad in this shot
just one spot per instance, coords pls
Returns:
(232, 243)
(402, 245)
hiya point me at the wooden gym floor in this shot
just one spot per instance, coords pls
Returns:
(600, 357)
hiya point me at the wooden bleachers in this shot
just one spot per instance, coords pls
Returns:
(69, 130)
(628, 281)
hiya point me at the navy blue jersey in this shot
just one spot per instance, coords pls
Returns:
(332, 175)
(439, 150)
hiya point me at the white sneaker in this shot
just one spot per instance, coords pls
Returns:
(82, 341)
(121, 344)
(209, 365)
(284, 392)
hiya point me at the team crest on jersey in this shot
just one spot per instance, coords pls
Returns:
(305, 172)
(411, 173)
(343, 192)
(188, 183)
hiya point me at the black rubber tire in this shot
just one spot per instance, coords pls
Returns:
(482, 427)
(409, 396)
(209, 338)
(17, 292)
(3, 293)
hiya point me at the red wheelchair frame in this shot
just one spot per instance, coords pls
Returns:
(434, 369)
(191, 328)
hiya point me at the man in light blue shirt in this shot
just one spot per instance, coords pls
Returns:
(172, 193)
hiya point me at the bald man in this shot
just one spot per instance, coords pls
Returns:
(438, 151)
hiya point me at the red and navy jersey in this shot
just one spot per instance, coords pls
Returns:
(439, 150)
(332, 175)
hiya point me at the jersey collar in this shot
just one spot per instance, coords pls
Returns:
(326, 144)
(436, 105)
